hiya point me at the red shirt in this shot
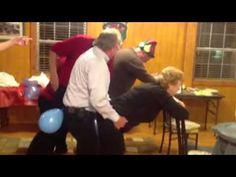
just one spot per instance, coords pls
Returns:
(68, 51)
(71, 48)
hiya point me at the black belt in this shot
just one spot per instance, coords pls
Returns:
(75, 110)
(81, 112)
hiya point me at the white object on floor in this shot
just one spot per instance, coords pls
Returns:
(136, 139)
(140, 145)
(198, 152)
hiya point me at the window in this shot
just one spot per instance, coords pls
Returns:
(216, 51)
(51, 32)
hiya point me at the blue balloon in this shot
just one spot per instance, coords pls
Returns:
(51, 120)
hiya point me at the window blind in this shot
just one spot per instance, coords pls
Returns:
(216, 51)
(49, 33)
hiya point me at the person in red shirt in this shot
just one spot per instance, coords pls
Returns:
(62, 58)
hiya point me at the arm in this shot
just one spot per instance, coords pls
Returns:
(98, 81)
(180, 102)
(53, 70)
(175, 109)
(19, 40)
(62, 48)
(70, 49)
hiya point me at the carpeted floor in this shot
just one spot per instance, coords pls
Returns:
(9, 145)
(15, 139)
(18, 146)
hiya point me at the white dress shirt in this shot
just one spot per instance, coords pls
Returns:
(89, 83)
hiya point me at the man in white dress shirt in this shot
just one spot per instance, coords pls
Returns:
(90, 117)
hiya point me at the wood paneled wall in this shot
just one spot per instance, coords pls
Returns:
(170, 37)
(176, 47)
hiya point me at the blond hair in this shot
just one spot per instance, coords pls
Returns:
(170, 75)
(108, 39)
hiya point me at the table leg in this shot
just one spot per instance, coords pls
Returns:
(206, 114)
(217, 109)
(4, 120)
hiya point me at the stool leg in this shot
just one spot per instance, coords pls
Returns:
(196, 143)
(179, 137)
(184, 138)
(4, 120)
(163, 138)
(169, 144)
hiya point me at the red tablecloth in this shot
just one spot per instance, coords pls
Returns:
(14, 96)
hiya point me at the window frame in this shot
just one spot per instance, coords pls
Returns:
(215, 81)
(50, 41)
